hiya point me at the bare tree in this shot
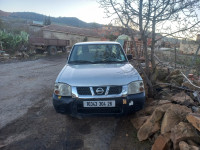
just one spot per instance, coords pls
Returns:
(168, 17)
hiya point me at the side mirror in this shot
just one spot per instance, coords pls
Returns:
(129, 56)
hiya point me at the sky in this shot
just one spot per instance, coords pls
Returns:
(85, 10)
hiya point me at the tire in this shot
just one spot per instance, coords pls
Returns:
(39, 51)
(52, 50)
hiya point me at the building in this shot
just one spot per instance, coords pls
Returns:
(109, 32)
(35, 29)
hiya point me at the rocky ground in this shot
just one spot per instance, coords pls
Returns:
(28, 120)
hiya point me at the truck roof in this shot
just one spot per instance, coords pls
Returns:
(97, 42)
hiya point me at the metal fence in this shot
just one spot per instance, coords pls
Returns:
(178, 60)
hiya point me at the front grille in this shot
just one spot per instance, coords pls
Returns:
(84, 91)
(95, 89)
(115, 90)
(87, 91)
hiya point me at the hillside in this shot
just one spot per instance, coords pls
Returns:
(4, 14)
(31, 16)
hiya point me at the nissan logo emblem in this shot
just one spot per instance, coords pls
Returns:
(99, 91)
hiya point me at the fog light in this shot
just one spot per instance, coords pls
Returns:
(141, 89)
(130, 103)
(56, 92)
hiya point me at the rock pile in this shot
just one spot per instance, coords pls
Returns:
(3, 55)
(170, 126)
(172, 123)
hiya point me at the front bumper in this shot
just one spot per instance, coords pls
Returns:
(74, 106)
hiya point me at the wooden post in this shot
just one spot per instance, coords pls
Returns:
(175, 57)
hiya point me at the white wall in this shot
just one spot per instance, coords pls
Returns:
(189, 48)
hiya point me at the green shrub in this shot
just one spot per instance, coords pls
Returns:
(11, 42)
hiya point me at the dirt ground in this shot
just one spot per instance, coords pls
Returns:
(28, 120)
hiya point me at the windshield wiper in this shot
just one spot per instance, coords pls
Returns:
(108, 61)
(80, 62)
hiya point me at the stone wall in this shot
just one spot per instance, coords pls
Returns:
(189, 47)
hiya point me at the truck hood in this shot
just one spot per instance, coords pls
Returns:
(98, 74)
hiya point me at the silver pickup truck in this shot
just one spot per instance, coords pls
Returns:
(98, 80)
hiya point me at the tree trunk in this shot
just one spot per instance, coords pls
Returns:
(150, 89)
(144, 39)
(153, 44)
(175, 57)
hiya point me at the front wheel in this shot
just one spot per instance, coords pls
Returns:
(52, 50)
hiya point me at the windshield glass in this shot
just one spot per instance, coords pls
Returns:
(97, 53)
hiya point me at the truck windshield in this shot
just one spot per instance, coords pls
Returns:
(97, 53)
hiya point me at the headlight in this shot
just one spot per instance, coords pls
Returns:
(135, 87)
(62, 89)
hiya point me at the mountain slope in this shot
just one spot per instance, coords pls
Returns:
(71, 21)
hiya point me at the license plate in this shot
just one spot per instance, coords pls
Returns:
(98, 103)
